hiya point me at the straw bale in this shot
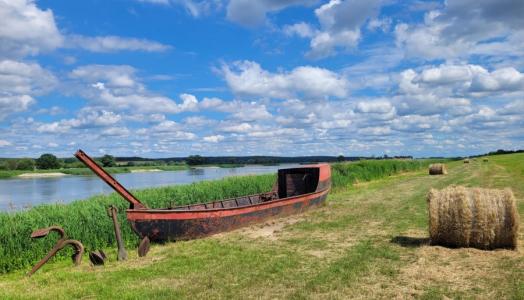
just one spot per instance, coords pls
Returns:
(438, 169)
(473, 217)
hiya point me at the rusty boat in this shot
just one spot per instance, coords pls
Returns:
(295, 190)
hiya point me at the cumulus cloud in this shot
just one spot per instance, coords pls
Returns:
(457, 30)
(213, 138)
(87, 117)
(193, 7)
(4, 143)
(248, 78)
(301, 29)
(253, 13)
(113, 44)
(472, 80)
(118, 87)
(340, 26)
(26, 30)
(19, 83)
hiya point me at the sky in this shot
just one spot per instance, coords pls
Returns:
(164, 78)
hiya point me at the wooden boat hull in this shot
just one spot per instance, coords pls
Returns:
(165, 225)
(296, 190)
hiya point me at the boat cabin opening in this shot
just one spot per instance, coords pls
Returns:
(297, 181)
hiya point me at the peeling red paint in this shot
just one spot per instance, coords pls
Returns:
(296, 190)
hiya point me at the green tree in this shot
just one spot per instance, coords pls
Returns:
(108, 161)
(11, 164)
(47, 161)
(341, 158)
(193, 160)
(25, 164)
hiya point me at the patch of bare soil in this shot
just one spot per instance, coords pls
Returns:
(270, 229)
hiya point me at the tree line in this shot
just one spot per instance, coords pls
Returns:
(49, 161)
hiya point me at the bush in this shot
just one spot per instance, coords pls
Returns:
(194, 160)
(25, 164)
(47, 161)
(108, 161)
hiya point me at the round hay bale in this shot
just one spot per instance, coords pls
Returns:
(485, 159)
(438, 169)
(466, 161)
(473, 217)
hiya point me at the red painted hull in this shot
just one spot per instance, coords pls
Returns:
(296, 190)
(170, 225)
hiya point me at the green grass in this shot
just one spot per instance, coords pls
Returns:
(369, 241)
(87, 220)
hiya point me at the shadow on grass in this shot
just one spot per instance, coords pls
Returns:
(410, 242)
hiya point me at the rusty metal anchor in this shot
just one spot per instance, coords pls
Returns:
(97, 257)
(112, 212)
(60, 244)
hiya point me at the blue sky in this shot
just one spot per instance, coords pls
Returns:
(159, 78)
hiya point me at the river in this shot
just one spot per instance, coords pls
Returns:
(22, 193)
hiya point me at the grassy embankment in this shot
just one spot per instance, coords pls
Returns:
(369, 241)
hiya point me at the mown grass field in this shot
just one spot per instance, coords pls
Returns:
(369, 241)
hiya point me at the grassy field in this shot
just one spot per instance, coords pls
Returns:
(369, 241)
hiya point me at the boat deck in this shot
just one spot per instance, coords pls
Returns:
(229, 203)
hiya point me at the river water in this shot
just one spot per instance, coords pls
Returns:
(20, 193)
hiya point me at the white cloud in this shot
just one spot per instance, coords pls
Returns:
(213, 138)
(192, 7)
(458, 30)
(26, 30)
(4, 143)
(115, 131)
(472, 80)
(166, 126)
(248, 78)
(19, 78)
(87, 117)
(118, 87)
(113, 44)
(237, 128)
(301, 29)
(19, 83)
(375, 131)
(379, 107)
(240, 110)
(340, 23)
(253, 13)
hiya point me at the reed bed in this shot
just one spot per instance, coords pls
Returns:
(87, 220)
(346, 174)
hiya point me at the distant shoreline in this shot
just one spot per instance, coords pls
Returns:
(41, 175)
